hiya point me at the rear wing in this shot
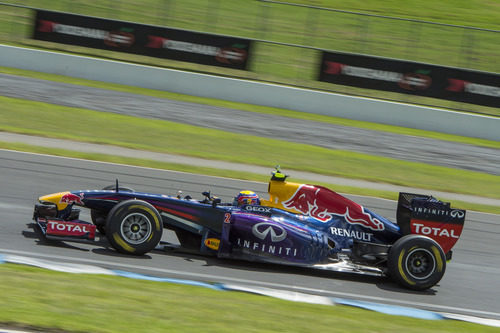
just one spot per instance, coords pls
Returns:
(425, 215)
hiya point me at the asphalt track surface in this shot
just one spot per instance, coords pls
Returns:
(403, 147)
(470, 285)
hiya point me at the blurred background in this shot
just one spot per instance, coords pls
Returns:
(289, 36)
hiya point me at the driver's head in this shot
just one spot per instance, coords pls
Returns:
(246, 198)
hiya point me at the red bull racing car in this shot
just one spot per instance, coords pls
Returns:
(300, 224)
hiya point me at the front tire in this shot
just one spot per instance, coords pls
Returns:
(416, 262)
(134, 227)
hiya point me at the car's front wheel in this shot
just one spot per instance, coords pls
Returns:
(416, 262)
(134, 227)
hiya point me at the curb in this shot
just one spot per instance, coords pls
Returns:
(281, 294)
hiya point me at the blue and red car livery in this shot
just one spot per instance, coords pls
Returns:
(300, 224)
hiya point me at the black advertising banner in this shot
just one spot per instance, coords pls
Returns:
(142, 39)
(411, 78)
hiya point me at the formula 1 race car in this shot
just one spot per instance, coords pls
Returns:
(304, 225)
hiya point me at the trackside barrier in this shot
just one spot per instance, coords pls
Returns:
(281, 294)
(255, 93)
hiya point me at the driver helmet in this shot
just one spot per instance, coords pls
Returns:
(246, 198)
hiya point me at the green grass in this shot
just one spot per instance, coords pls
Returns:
(288, 24)
(46, 300)
(254, 108)
(43, 119)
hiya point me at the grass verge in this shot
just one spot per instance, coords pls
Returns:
(254, 108)
(43, 119)
(226, 173)
(98, 303)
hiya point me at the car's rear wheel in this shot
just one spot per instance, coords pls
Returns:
(416, 262)
(99, 217)
(134, 227)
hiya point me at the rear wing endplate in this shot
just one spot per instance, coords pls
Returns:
(425, 215)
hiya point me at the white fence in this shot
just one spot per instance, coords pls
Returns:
(256, 93)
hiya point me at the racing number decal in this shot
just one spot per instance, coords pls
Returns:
(227, 218)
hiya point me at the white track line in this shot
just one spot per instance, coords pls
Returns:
(217, 278)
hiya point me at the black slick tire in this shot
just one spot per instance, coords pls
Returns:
(416, 262)
(134, 227)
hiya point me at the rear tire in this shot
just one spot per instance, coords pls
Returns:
(416, 262)
(134, 227)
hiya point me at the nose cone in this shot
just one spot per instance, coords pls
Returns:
(55, 198)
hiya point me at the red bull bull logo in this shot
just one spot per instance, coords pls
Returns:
(70, 198)
(322, 204)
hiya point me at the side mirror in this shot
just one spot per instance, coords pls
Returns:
(215, 202)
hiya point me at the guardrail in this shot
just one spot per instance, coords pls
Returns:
(285, 53)
(250, 92)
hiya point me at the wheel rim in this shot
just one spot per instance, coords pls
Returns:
(420, 264)
(136, 228)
